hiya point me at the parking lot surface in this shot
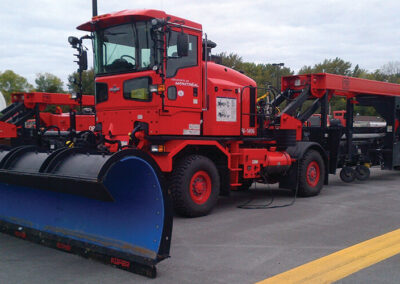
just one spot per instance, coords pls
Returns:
(241, 246)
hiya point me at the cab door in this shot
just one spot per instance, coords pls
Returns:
(183, 74)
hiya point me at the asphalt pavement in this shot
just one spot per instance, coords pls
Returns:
(241, 246)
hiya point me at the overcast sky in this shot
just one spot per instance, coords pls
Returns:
(33, 33)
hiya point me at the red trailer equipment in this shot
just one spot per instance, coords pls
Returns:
(359, 151)
(26, 109)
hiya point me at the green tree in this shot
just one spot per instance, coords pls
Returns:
(87, 82)
(263, 74)
(231, 60)
(306, 70)
(49, 83)
(391, 68)
(359, 72)
(377, 75)
(11, 82)
(390, 72)
(332, 66)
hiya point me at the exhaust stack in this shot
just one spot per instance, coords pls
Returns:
(94, 8)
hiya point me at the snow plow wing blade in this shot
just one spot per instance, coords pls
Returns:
(109, 207)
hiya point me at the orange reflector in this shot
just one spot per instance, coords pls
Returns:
(100, 16)
(161, 88)
(157, 148)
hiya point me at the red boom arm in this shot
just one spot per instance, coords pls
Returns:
(339, 85)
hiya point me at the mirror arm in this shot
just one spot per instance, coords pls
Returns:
(82, 63)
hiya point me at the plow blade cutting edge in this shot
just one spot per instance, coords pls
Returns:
(109, 207)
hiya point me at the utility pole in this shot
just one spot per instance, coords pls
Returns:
(278, 66)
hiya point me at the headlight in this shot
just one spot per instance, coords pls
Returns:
(157, 148)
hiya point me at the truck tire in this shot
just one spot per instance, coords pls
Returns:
(312, 173)
(347, 174)
(362, 173)
(195, 186)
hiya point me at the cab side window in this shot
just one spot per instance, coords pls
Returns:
(137, 89)
(174, 62)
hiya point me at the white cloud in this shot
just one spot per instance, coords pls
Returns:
(33, 34)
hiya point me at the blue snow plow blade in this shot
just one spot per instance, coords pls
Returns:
(114, 208)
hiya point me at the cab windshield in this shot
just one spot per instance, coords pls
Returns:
(124, 48)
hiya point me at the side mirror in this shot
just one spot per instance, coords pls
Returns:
(74, 41)
(83, 63)
(183, 45)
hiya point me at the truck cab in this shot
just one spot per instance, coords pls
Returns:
(141, 79)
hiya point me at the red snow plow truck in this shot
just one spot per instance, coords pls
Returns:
(170, 122)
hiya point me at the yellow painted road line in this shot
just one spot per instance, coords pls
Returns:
(342, 263)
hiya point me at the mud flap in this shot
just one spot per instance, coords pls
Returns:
(110, 207)
(291, 179)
